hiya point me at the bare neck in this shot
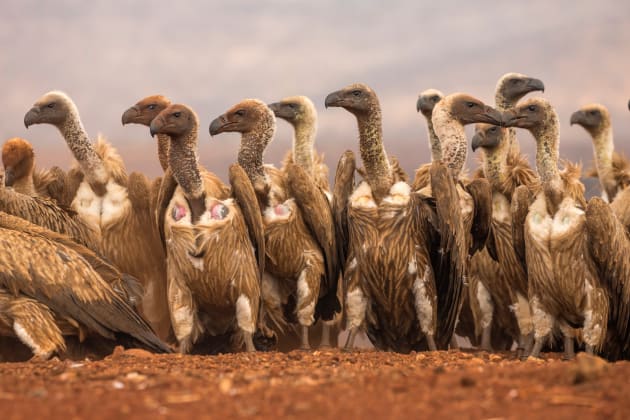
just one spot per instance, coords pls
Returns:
(375, 161)
(603, 148)
(164, 143)
(452, 139)
(434, 141)
(184, 163)
(250, 157)
(303, 142)
(503, 104)
(547, 143)
(79, 143)
(494, 165)
(25, 185)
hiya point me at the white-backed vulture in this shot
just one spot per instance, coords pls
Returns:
(501, 285)
(425, 104)
(551, 231)
(300, 112)
(213, 273)
(116, 205)
(408, 250)
(612, 168)
(50, 286)
(511, 87)
(18, 159)
(143, 112)
(301, 255)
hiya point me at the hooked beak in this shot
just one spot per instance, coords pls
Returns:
(217, 125)
(31, 117)
(275, 107)
(130, 115)
(9, 177)
(491, 116)
(577, 117)
(535, 84)
(156, 125)
(334, 99)
(423, 105)
(511, 118)
(477, 140)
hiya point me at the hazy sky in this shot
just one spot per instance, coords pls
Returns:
(108, 54)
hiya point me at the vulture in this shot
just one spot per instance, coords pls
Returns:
(501, 286)
(425, 104)
(510, 89)
(114, 204)
(18, 159)
(612, 169)
(407, 249)
(50, 287)
(302, 268)
(143, 112)
(212, 236)
(300, 112)
(575, 255)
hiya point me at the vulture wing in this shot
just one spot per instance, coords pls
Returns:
(481, 192)
(244, 193)
(344, 185)
(167, 189)
(520, 207)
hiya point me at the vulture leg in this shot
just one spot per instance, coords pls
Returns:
(431, 343)
(487, 310)
(569, 350)
(523, 315)
(249, 342)
(183, 315)
(543, 324)
(307, 293)
(423, 289)
(356, 303)
(350, 340)
(305, 343)
(538, 343)
(246, 319)
(453, 345)
(325, 341)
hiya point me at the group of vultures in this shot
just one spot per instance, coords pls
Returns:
(506, 257)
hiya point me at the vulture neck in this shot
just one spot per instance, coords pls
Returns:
(303, 142)
(79, 143)
(434, 141)
(452, 139)
(164, 144)
(547, 142)
(603, 147)
(377, 169)
(494, 166)
(25, 185)
(184, 163)
(250, 157)
(503, 104)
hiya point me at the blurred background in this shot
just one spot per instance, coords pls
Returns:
(108, 54)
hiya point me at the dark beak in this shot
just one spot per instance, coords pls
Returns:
(477, 140)
(156, 125)
(130, 115)
(31, 117)
(333, 99)
(424, 105)
(577, 117)
(511, 118)
(535, 84)
(9, 177)
(628, 104)
(275, 107)
(491, 116)
(216, 126)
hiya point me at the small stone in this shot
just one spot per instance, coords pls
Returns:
(467, 382)
(225, 386)
(587, 368)
(118, 385)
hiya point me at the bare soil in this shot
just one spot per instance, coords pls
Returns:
(316, 384)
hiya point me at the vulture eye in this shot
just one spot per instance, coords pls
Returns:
(51, 105)
(177, 114)
(240, 112)
(470, 104)
(292, 106)
(435, 98)
(532, 108)
(152, 106)
(356, 93)
(594, 112)
(493, 129)
(514, 81)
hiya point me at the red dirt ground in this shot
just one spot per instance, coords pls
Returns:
(318, 384)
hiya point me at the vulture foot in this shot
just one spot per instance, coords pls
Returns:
(486, 339)
(350, 340)
(305, 343)
(431, 343)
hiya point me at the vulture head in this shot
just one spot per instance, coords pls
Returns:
(176, 120)
(511, 87)
(18, 159)
(250, 117)
(295, 109)
(357, 98)
(145, 110)
(427, 100)
(53, 108)
(593, 118)
(465, 109)
(488, 136)
(536, 115)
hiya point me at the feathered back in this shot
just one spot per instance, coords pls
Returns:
(570, 175)
(111, 160)
(520, 173)
(320, 170)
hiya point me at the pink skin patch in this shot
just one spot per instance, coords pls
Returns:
(178, 212)
(219, 211)
(281, 210)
